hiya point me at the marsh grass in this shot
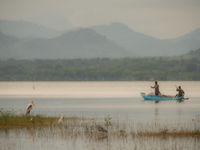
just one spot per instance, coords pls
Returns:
(9, 120)
(98, 128)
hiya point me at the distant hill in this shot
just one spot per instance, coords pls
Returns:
(82, 43)
(136, 42)
(6, 45)
(24, 29)
(191, 35)
(192, 54)
(187, 42)
(195, 53)
(144, 45)
(21, 39)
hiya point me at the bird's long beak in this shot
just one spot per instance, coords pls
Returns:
(33, 103)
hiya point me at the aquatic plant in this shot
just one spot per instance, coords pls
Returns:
(74, 126)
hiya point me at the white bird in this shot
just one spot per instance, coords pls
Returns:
(60, 120)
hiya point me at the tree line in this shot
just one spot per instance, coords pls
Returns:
(101, 69)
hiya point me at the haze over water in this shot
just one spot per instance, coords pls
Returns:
(94, 89)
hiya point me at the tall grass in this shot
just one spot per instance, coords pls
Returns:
(99, 129)
(9, 120)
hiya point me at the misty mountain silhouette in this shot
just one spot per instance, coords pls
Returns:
(21, 39)
(82, 43)
(144, 45)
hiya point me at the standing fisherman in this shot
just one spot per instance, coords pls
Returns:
(29, 107)
(156, 87)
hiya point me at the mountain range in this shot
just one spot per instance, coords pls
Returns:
(82, 43)
(25, 29)
(25, 40)
(144, 45)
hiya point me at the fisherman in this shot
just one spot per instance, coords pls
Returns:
(181, 93)
(156, 87)
(29, 108)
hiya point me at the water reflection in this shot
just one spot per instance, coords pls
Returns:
(51, 141)
(180, 113)
(156, 113)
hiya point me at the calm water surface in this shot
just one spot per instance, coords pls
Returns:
(120, 100)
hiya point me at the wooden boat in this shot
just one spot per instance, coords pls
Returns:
(160, 98)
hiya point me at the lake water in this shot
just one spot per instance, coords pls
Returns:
(120, 100)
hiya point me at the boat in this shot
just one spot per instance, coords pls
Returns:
(157, 98)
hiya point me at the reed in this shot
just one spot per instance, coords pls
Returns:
(168, 134)
(97, 128)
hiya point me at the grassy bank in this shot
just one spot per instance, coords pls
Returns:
(8, 121)
(98, 128)
(11, 121)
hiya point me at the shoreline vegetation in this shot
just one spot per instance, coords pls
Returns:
(98, 128)
(185, 68)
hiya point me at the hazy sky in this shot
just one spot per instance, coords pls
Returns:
(158, 18)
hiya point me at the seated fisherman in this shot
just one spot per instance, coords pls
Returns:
(181, 93)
